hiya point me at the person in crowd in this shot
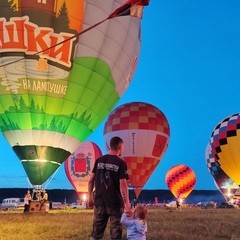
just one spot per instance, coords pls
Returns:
(45, 196)
(44, 199)
(27, 200)
(134, 203)
(108, 191)
(178, 204)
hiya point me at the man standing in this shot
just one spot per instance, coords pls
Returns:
(27, 200)
(44, 199)
(178, 203)
(109, 178)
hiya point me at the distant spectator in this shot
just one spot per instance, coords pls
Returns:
(45, 196)
(134, 203)
(27, 200)
(44, 199)
(178, 204)
(50, 205)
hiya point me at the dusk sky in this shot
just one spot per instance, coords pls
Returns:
(189, 68)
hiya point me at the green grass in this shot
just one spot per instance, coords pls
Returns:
(163, 224)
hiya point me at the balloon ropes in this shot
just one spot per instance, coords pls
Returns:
(145, 132)
(180, 180)
(79, 165)
(58, 84)
(223, 182)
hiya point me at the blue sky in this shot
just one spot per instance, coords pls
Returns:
(189, 68)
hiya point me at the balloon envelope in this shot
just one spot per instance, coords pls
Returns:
(180, 180)
(57, 86)
(145, 132)
(79, 165)
(224, 142)
(223, 182)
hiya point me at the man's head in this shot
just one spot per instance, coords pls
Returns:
(116, 145)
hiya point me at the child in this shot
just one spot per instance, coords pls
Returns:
(136, 226)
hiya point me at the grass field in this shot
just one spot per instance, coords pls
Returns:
(163, 224)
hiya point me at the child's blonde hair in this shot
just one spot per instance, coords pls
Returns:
(140, 212)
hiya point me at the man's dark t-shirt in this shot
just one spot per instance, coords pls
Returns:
(108, 170)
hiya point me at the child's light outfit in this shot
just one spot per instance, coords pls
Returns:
(136, 229)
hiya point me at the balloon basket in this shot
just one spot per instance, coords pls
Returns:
(38, 207)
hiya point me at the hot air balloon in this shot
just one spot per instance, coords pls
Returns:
(145, 132)
(180, 180)
(223, 182)
(62, 70)
(79, 164)
(224, 142)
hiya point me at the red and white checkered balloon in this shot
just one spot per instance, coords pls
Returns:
(145, 132)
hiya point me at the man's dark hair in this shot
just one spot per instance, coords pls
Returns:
(114, 143)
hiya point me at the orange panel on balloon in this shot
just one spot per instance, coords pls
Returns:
(140, 169)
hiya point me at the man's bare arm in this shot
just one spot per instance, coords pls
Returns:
(125, 195)
(90, 190)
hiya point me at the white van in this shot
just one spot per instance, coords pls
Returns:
(78, 205)
(12, 203)
(57, 205)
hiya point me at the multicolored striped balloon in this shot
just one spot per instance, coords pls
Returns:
(222, 181)
(145, 132)
(225, 146)
(180, 180)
